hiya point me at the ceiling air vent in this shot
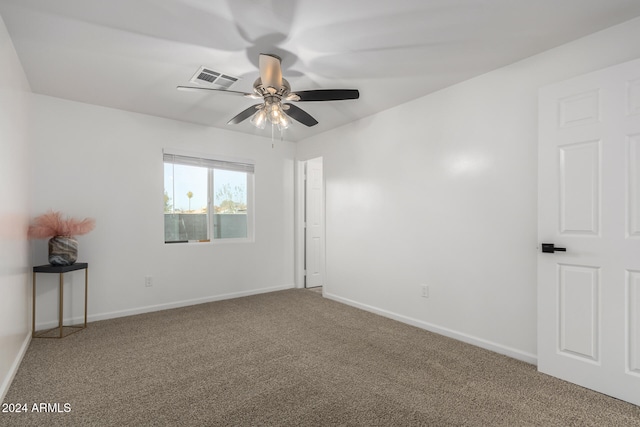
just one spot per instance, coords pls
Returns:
(207, 77)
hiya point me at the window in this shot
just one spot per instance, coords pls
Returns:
(206, 199)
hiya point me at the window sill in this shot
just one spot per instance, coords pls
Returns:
(210, 242)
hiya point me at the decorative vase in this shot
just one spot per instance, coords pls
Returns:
(63, 250)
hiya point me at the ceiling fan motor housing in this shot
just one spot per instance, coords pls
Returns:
(265, 91)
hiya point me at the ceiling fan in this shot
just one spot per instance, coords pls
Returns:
(273, 89)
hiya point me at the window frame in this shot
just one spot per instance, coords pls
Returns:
(247, 164)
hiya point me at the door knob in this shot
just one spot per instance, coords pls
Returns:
(550, 248)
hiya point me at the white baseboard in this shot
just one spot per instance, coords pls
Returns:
(8, 379)
(159, 307)
(479, 342)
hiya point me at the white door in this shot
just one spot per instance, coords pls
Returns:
(589, 204)
(314, 218)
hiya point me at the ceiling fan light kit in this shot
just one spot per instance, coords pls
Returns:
(273, 113)
(272, 88)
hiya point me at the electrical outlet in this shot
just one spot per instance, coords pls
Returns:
(147, 281)
(425, 291)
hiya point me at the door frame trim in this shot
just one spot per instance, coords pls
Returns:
(298, 214)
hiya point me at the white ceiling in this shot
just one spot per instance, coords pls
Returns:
(131, 54)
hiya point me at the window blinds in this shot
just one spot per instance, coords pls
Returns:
(178, 159)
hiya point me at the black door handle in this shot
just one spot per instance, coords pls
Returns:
(549, 248)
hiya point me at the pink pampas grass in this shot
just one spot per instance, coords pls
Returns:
(52, 224)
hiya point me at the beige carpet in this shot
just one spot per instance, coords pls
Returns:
(289, 358)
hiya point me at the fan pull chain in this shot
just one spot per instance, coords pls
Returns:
(273, 138)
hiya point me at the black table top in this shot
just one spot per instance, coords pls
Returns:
(48, 268)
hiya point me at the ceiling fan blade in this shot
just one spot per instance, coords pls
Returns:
(300, 115)
(270, 71)
(230, 92)
(327, 94)
(244, 115)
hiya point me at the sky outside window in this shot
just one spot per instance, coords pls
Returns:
(181, 179)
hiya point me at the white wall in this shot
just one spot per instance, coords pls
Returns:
(443, 191)
(14, 212)
(107, 164)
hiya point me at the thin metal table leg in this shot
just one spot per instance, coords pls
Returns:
(86, 288)
(33, 315)
(61, 296)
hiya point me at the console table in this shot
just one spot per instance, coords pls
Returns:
(60, 269)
